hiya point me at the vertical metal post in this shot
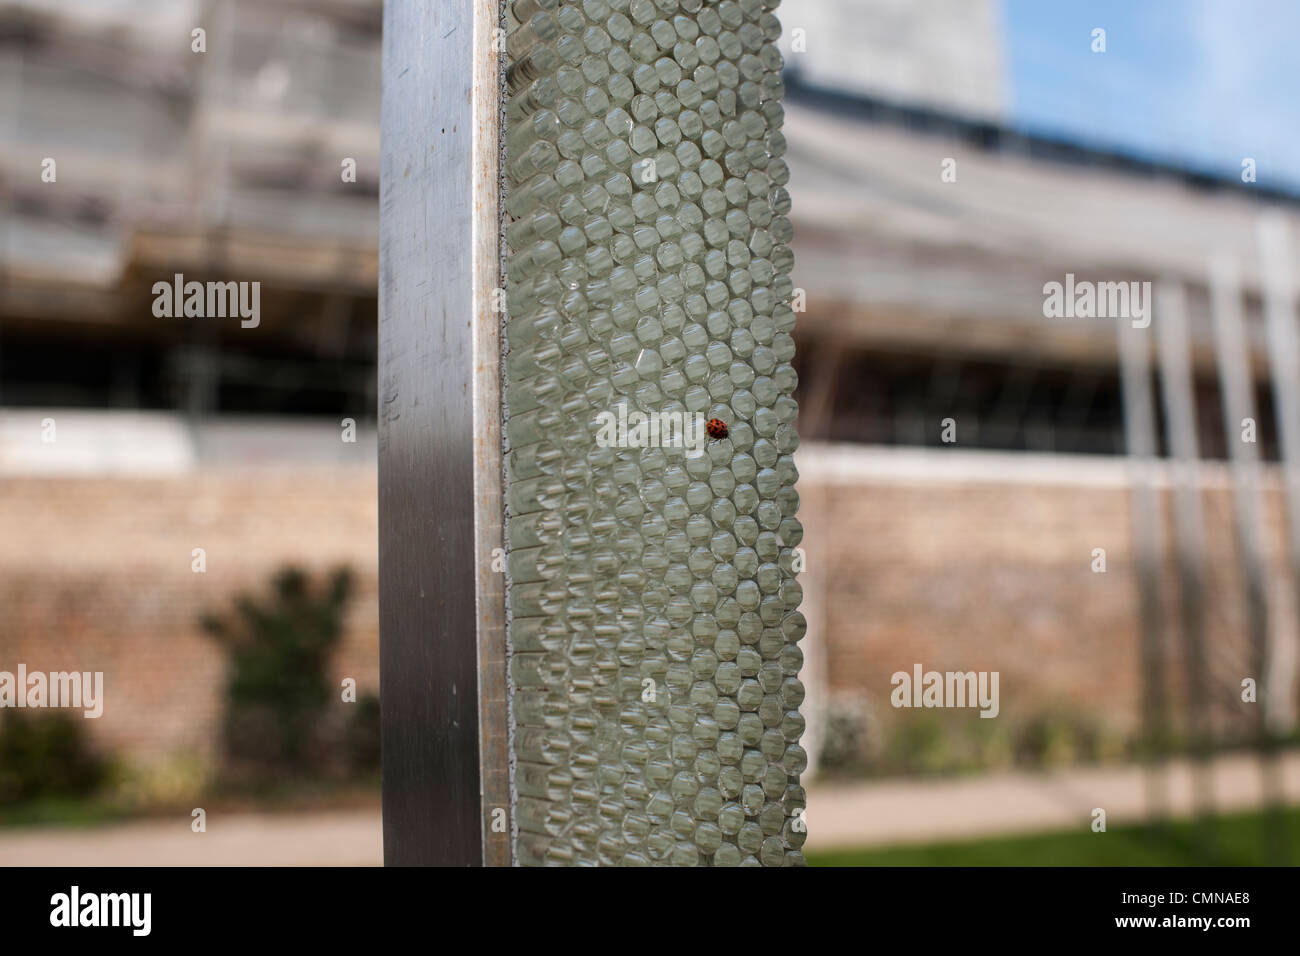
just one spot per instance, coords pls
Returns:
(1284, 363)
(1148, 541)
(442, 612)
(1180, 423)
(1238, 393)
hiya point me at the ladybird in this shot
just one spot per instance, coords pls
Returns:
(716, 428)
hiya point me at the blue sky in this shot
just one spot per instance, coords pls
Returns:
(1201, 83)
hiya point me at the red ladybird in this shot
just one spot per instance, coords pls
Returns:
(716, 428)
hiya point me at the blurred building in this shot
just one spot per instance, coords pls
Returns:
(218, 165)
(253, 160)
(925, 231)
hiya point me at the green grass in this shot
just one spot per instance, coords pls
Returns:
(63, 812)
(303, 795)
(1246, 839)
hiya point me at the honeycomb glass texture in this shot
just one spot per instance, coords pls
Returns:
(654, 620)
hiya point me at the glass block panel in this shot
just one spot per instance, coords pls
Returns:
(650, 427)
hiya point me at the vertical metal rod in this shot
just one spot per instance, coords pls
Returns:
(1148, 542)
(1284, 364)
(1238, 392)
(1180, 424)
(442, 615)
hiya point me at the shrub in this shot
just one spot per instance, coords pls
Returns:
(363, 734)
(46, 756)
(278, 691)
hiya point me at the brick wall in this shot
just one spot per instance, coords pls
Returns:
(95, 574)
(969, 561)
(981, 561)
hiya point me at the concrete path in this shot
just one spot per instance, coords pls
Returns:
(858, 815)
(912, 811)
(337, 838)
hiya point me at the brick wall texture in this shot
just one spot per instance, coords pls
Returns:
(964, 575)
(95, 575)
(954, 574)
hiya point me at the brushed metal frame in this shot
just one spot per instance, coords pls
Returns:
(443, 663)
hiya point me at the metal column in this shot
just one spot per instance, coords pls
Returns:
(1148, 540)
(442, 611)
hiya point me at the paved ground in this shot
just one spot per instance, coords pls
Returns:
(910, 811)
(341, 838)
(858, 815)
